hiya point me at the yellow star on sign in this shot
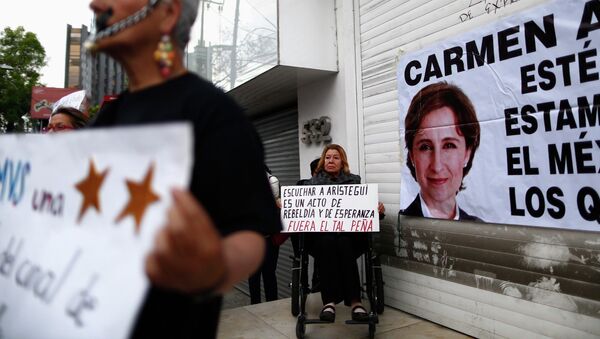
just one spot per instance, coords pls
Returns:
(89, 188)
(140, 196)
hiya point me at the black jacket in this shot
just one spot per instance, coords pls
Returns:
(414, 209)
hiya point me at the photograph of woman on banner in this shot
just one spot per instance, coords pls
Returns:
(442, 136)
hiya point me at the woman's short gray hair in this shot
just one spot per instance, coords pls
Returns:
(189, 11)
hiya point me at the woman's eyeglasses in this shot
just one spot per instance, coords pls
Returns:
(58, 127)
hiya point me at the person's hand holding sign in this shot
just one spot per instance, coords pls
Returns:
(188, 253)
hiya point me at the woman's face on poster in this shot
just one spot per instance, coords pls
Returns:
(333, 161)
(439, 154)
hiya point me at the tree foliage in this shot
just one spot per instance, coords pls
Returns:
(23, 53)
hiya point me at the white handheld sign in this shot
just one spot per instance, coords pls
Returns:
(79, 212)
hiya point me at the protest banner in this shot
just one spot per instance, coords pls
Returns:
(528, 153)
(330, 208)
(78, 213)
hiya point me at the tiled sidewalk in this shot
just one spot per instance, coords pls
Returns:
(274, 320)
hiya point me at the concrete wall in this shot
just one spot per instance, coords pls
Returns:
(307, 34)
(335, 96)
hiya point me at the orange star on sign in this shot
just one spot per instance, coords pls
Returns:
(140, 196)
(89, 188)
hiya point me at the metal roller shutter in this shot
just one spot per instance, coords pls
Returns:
(479, 279)
(279, 134)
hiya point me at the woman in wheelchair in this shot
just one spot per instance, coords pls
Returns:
(336, 253)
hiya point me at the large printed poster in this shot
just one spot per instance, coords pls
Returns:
(502, 124)
(78, 214)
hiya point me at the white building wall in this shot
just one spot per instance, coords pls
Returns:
(307, 34)
(335, 96)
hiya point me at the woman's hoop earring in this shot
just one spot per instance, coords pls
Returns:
(164, 56)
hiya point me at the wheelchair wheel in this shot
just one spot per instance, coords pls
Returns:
(371, 330)
(300, 327)
(378, 286)
(296, 288)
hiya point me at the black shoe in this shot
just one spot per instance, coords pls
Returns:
(360, 314)
(326, 315)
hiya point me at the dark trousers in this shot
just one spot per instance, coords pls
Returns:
(335, 259)
(170, 314)
(267, 271)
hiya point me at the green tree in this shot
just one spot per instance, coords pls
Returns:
(22, 57)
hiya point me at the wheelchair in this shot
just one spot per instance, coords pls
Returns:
(373, 287)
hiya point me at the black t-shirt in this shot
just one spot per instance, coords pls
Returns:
(228, 179)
